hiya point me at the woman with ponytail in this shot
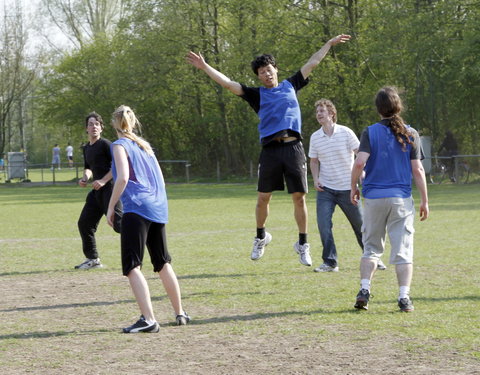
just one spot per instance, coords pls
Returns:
(390, 152)
(140, 186)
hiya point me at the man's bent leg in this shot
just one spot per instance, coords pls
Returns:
(262, 238)
(325, 209)
(353, 213)
(87, 226)
(300, 211)
(367, 268)
(404, 274)
(262, 208)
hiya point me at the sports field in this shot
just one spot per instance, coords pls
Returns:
(273, 316)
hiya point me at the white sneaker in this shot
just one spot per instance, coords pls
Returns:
(89, 263)
(304, 252)
(259, 246)
(326, 268)
(381, 266)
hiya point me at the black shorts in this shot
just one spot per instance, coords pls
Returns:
(138, 232)
(281, 162)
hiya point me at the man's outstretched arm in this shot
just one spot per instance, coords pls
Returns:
(321, 53)
(199, 62)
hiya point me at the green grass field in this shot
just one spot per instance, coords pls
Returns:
(232, 300)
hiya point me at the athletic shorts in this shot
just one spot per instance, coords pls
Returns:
(282, 163)
(394, 215)
(138, 232)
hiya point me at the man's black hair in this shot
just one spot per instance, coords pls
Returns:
(263, 60)
(96, 116)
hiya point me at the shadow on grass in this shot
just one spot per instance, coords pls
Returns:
(214, 275)
(384, 301)
(443, 299)
(18, 273)
(72, 305)
(93, 304)
(221, 319)
(46, 335)
(147, 276)
(262, 316)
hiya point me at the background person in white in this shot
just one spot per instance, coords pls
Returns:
(69, 150)
(332, 151)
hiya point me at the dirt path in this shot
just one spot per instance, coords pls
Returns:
(64, 323)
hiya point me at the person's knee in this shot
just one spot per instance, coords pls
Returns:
(82, 225)
(133, 271)
(263, 199)
(299, 199)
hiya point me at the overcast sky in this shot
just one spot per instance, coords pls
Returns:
(35, 26)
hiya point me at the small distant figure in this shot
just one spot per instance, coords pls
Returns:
(450, 145)
(69, 151)
(2, 164)
(56, 157)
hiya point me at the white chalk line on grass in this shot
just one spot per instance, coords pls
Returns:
(24, 240)
(174, 234)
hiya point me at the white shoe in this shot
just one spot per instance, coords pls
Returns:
(89, 263)
(326, 268)
(381, 266)
(259, 246)
(304, 252)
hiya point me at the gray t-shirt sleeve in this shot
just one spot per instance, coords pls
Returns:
(416, 151)
(364, 142)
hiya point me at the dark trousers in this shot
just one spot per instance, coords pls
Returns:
(326, 202)
(96, 205)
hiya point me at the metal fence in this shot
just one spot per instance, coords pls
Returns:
(457, 169)
(19, 170)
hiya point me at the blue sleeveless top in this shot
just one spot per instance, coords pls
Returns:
(388, 172)
(145, 193)
(279, 110)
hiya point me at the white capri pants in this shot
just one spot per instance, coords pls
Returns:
(394, 215)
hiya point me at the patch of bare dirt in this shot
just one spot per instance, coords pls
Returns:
(60, 323)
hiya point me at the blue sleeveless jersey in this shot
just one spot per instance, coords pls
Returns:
(279, 110)
(145, 193)
(388, 170)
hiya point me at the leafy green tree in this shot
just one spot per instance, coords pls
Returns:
(16, 77)
(427, 48)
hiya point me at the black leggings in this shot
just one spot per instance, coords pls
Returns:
(138, 232)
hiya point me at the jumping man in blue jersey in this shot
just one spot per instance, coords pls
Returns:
(282, 157)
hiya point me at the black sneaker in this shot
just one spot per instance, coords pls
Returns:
(142, 326)
(362, 299)
(182, 319)
(405, 304)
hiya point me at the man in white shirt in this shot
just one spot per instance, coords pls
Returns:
(69, 150)
(332, 152)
